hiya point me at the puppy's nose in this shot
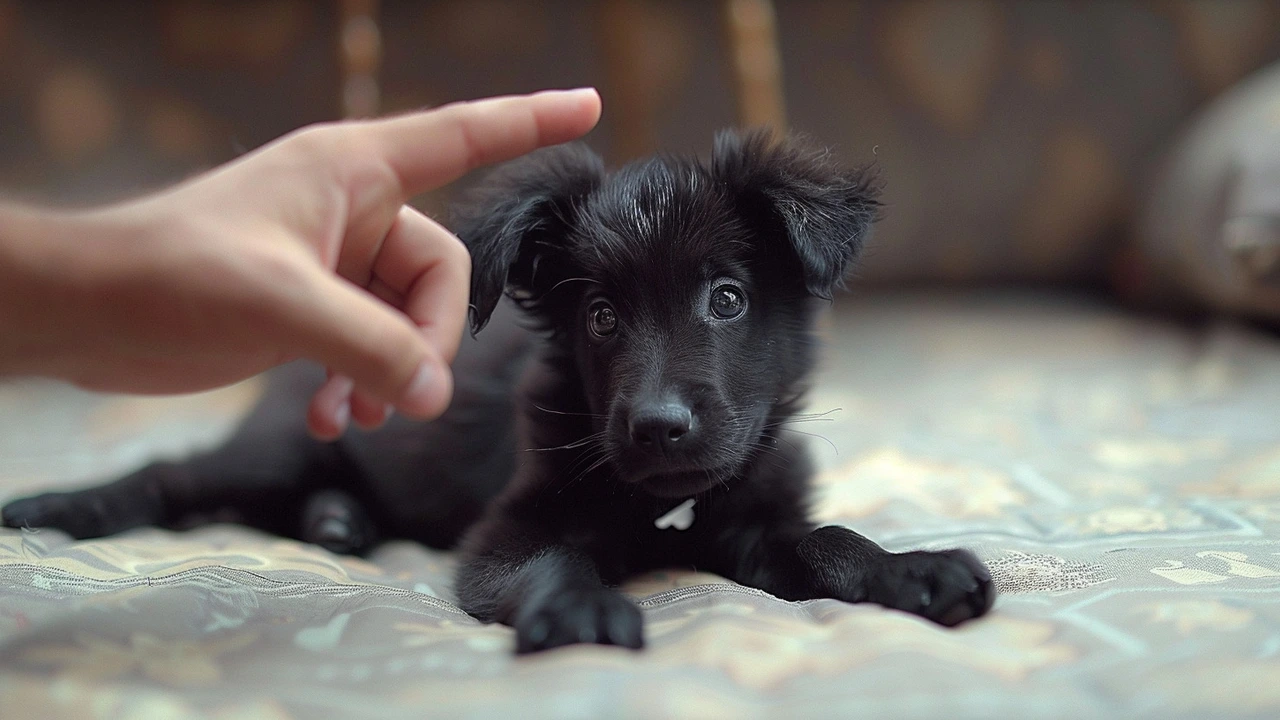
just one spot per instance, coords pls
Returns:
(661, 427)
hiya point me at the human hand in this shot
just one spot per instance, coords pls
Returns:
(302, 248)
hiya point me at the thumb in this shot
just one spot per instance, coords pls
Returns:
(357, 335)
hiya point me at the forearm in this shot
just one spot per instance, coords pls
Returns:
(56, 270)
(33, 272)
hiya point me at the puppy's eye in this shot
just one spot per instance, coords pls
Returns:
(602, 320)
(727, 302)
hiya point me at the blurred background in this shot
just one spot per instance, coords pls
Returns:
(1018, 139)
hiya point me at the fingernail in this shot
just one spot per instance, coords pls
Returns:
(582, 91)
(417, 399)
(342, 416)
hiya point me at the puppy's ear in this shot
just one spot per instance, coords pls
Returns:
(522, 212)
(824, 211)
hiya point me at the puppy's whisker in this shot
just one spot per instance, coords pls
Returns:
(594, 456)
(722, 478)
(824, 438)
(570, 478)
(713, 478)
(591, 468)
(817, 414)
(778, 438)
(807, 418)
(803, 417)
(781, 423)
(569, 446)
(572, 414)
(584, 458)
(800, 420)
(766, 448)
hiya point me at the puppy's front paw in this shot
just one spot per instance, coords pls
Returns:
(946, 587)
(337, 522)
(569, 616)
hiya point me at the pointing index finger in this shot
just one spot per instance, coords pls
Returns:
(434, 147)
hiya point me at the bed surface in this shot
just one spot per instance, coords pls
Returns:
(1121, 476)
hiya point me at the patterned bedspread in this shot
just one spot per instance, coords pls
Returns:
(1121, 476)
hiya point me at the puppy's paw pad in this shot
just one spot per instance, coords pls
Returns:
(600, 616)
(947, 587)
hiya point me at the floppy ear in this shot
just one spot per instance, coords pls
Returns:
(824, 211)
(518, 215)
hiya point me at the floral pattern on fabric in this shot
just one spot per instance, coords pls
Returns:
(1122, 495)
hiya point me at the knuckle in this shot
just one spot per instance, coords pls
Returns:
(265, 280)
(457, 253)
(393, 355)
(374, 174)
(313, 138)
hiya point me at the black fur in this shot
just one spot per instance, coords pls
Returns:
(672, 305)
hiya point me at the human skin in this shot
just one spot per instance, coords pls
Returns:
(304, 248)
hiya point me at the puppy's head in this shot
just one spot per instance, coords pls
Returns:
(682, 291)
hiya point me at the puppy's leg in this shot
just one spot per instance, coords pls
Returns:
(132, 501)
(947, 587)
(261, 475)
(550, 593)
(260, 480)
(252, 487)
(338, 522)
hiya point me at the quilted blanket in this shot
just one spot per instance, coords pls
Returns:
(1120, 474)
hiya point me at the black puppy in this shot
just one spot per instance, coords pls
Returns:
(672, 306)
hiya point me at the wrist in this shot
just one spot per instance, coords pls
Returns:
(47, 269)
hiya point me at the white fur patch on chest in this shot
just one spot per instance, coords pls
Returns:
(679, 517)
